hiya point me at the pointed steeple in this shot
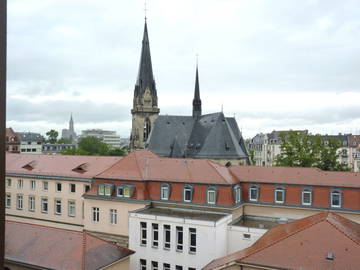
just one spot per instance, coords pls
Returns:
(145, 79)
(197, 100)
(71, 123)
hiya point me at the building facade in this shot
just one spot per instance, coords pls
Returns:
(55, 148)
(106, 136)
(31, 143)
(12, 141)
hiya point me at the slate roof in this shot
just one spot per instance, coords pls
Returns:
(31, 137)
(303, 245)
(211, 136)
(54, 248)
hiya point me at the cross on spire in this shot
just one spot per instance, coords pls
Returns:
(145, 9)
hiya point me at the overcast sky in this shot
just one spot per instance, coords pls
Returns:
(284, 64)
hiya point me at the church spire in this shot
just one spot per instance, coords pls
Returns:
(197, 100)
(145, 79)
(71, 124)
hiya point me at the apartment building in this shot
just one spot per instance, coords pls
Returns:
(48, 190)
(106, 136)
(31, 143)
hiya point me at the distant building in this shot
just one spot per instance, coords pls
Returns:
(69, 133)
(106, 136)
(31, 143)
(267, 146)
(12, 141)
(55, 148)
(323, 241)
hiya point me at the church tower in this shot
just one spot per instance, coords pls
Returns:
(197, 100)
(145, 104)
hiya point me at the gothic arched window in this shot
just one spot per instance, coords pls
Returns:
(147, 129)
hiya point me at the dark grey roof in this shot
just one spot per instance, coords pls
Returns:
(209, 136)
(145, 78)
(31, 137)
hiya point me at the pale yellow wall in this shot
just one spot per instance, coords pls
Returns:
(122, 207)
(65, 195)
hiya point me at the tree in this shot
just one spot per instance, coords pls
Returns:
(303, 150)
(94, 147)
(252, 156)
(52, 136)
(64, 141)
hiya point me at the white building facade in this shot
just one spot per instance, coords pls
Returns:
(106, 136)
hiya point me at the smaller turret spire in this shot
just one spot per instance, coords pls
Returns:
(197, 100)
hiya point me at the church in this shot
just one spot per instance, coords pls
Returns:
(212, 136)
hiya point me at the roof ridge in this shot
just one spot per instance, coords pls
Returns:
(43, 226)
(332, 223)
(307, 225)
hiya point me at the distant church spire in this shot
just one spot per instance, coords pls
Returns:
(197, 100)
(71, 124)
(145, 104)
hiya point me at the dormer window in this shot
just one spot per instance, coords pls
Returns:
(254, 193)
(125, 191)
(188, 193)
(335, 198)
(165, 192)
(105, 189)
(237, 194)
(211, 195)
(279, 195)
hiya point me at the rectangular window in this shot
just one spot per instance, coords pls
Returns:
(127, 192)
(32, 203)
(101, 189)
(45, 186)
(120, 192)
(57, 207)
(154, 265)
(113, 216)
(164, 192)
(20, 183)
(335, 199)
(187, 194)
(279, 195)
(178, 267)
(155, 235)
(253, 194)
(306, 197)
(58, 187)
(166, 266)
(192, 240)
(211, 196)
(143, 233)
(44, 205)
(33, 184)
(107, 190)
(8, 200)
(95, 214)
(71, 208)
(167, 237)
(72, 188)
(8, 182)
(142, 264)
(179, 238)
(19, 201)
(191, 268)
(86, 188)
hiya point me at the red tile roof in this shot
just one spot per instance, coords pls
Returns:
(303, 245)
(141, 165)
(58, 165)
(55, 248)
(295, 175)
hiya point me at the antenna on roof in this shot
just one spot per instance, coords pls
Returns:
(145, 9)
